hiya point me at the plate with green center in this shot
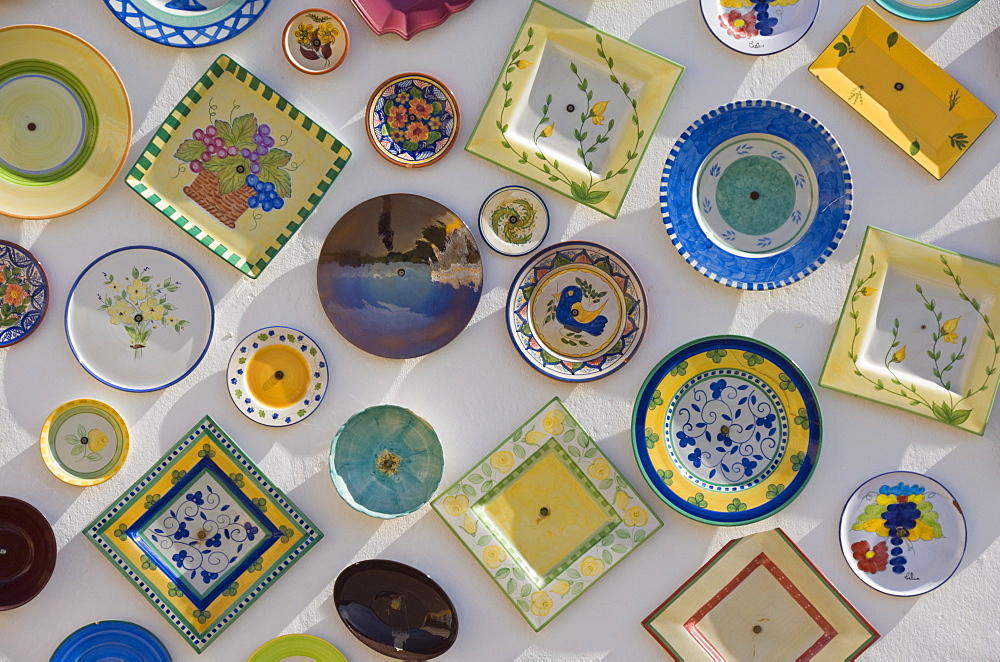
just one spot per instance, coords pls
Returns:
(84, 442)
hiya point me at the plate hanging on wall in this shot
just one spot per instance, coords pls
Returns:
(24, 293)
(407, 17)
(187, 23)
(292, 645)
(29, 552)
(759, 27)
(84, 442)
(316, 41)
(514, 220)
(412, 120)
(111, 640)
(927, 10)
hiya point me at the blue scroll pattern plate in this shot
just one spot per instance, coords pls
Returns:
(187, 23)
(24, 293)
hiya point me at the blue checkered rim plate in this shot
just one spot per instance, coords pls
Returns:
(187, 30)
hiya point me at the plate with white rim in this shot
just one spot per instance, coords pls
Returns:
(514, 220)
(187, 23)
(927, 10)
(84, 442)
(759, 27)
(139, 318)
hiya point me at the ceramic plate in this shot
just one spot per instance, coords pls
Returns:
(24, 293)
(203, 534)
(139, 318)
(514, 220)
(903, 533)
(27, 552)
(927, 10)
(400, 275)
(407, 17)
(237, 167)
(756, 194)
(546, 514)
(277, 376)
(187, 23)
(386, 461)
(84, 442)
(291, 645)
(908, 97)
(576, 312)
(917, 333)
(67, 122)
(396, 610)
(316, 41)
(577, 114)
(412, 120)
(111, 640)
(760, 598)
(759, 27)
(727, 430)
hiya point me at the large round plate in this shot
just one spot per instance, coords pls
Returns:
(576, 312)
(139, 318)
(756, 195)
(111, 640)
(24, 293)
(727, 430)
(903, 533)
(927, 10)
(27, 552)
(412, 120)
(400, 275)
(759, 27)
(84, 442)
(292, 645)
(513, 220)
(171, 24)
(67, 122)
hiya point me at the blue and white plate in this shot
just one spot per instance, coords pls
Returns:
(187, 23)
(927, 10)
(756, 194)
(111, 640)
(24, 293)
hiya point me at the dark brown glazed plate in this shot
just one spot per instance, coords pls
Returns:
(27, 552)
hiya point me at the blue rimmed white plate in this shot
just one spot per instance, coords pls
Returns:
(24, 293)
(111, 640)
(927, 10)
(187, 23)
(756, 194)
(759, 27)
(514, 220)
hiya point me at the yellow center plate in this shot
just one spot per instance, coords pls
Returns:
(84, 442)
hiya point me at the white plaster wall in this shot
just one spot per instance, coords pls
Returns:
(477, 389)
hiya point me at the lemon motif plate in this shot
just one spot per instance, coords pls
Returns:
(84, 442)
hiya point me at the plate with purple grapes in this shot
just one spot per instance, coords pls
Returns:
(759, 27)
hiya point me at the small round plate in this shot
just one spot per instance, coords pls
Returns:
(24, 293)
(386, 461)
(277, 376)
(301, 645)
(67, 122)
(84, 442)
(412, 120)
(576, 312)
(139, 318)
(927, 10)
(903, 533)
(316, 41)
(514, 220)
(27, 552)
(400, 275)
(396, 610)
(759, 27)
(111, 640)
(727, 430)
(756, 195)
(187, 23)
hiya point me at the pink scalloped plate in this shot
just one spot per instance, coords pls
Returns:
(407, 17)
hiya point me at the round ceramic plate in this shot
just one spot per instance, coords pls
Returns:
(277, 376)
(67, 122)
(187, 23)
(759, 27)
(400, 275)
(111, 640)
(84, 442)
(302, 645)
(396, 610)
(756, 195)
(139, 318)
(514, 220)
(386, 461)
(24, 293)
(903, 533)
(927, 10)
(27, 552)
(727, 430)
(576, 312)
(412, 120)
(316, 41)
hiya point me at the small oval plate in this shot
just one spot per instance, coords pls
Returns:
(315, 41)
(514, 220)
(412, 120)
(84, 442)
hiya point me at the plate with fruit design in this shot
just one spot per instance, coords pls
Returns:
(84, 442)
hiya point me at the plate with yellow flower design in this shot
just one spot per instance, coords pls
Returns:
(759, 27)
(84, 442)
(316, 41)
(546, 514)
(412, 120)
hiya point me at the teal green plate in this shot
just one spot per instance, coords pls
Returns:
(927, 10)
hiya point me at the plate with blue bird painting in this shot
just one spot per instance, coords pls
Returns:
(187, 23)
(759, 27)
(756, 194)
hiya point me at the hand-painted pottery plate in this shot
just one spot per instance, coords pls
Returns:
(396, 610)
(514, 220)
(111, 640)
(187, 23)
(386, 461)
(66, 118)
(301, 645)
(24, 293)
(727, 430)
(316, 41)
(927, 10)
(412, 120)
(759, 27)
(84, 442)
(903, 533)
(407, 17)
(27, 552)
(277, 376)
(576, 312)
(400, 275)
(756, 195)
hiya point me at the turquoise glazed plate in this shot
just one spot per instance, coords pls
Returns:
(927, 10)
(187, 23)
(111, 640)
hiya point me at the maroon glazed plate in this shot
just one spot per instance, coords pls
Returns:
(407, 17)
(27, 552)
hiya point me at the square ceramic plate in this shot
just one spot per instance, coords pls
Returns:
(546, 514)
(203, 534)
(917, 333)
(908, 97)
(246, 205)
(760, 598)
(574, 108)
